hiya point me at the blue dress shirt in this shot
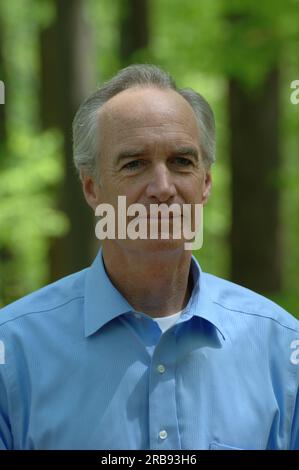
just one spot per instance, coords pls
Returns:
(82, 370)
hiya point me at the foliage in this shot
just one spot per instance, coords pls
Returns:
(27, 211)
(202, 43)
(31, 166)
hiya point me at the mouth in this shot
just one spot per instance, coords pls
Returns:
(170, 219)
(171, 216)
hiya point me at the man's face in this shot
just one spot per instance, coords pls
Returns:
(149, 152)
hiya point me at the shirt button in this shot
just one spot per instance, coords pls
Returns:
(163, 434)
(161, 368)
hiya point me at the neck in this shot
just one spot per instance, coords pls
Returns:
(156, 283)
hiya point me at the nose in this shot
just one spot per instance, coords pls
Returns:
(161, 187)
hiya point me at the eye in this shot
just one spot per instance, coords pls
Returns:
(182, 161)
(133, 165)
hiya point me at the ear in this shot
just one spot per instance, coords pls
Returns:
(91, 189)
(207, 186)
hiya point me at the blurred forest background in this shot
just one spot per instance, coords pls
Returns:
(242, 55)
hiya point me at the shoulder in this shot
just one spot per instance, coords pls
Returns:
(243, 302)
(47, 299)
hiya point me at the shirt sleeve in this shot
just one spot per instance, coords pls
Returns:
(5, 431)
(295, 427)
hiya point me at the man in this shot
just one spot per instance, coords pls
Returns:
(143, 350)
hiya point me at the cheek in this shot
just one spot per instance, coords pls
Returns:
(132, 188)
(194, 187)
(111, 193)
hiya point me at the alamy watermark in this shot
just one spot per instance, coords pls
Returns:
(156, 221)
(2, 92)
(2, 352)
(294, 98)
(295, 354)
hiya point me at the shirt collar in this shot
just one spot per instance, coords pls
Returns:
(103, 302)
(201, 302)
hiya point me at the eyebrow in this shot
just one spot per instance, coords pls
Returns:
(137, 152)
(129, 153)
(186, 150)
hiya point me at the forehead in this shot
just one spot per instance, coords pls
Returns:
(138, 110)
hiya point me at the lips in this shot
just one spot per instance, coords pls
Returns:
(161, 218)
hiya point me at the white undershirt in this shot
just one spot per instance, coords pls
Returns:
(167, 322)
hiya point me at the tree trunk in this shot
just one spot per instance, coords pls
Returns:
(134, 29)
(255, 165)
(66, 81)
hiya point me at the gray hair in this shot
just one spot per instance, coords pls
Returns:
(86, 125)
